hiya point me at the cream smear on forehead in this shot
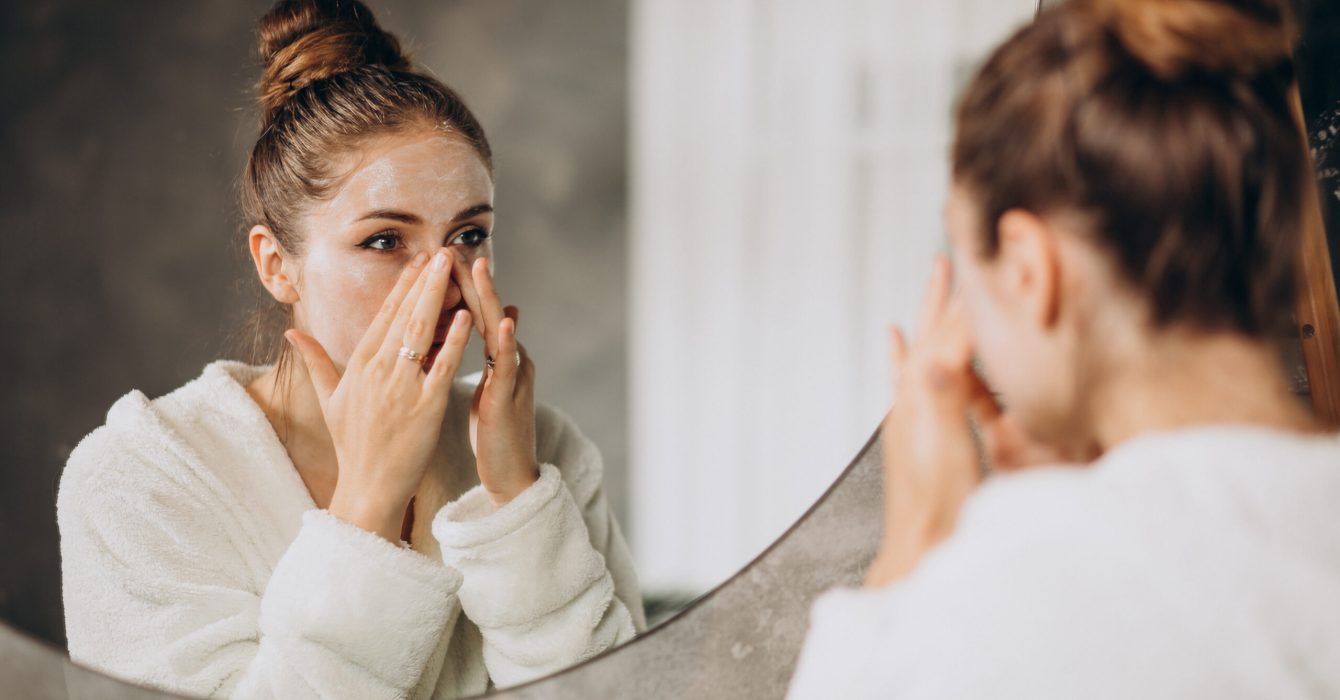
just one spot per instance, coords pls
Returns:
(432, 176)
(435, 176)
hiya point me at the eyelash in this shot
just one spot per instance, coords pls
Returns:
(396, 238)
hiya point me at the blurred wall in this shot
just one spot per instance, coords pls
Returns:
(123, 128)
(807, 141)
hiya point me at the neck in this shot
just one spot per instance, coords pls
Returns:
(1178, 380)
(291, 405)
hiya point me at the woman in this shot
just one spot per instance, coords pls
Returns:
(1124, 218)
(357, 524)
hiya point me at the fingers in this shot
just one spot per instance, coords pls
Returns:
(449, 357)
(525, 383)
(937, 296)
(489, 305)
(372, 338)
(505, 366)
(897, 346)
(955, 333)
(421, 325)
(395, 333)
(897, 357)
(319, 366)
(465, 278)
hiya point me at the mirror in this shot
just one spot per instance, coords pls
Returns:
(662, 173)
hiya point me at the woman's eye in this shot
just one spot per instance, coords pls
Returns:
(472, 238)
(386, 240)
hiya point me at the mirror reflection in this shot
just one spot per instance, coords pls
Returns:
(532, 468)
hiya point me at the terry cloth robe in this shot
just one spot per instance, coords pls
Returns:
(194, 560)
(1195, 563)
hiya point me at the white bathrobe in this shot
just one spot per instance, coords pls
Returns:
(1198, 563)
(196, 561)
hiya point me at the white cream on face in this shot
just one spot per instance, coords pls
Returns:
(431, 176)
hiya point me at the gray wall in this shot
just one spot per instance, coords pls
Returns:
(123, 128)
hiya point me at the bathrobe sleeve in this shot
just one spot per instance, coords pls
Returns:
(547, 578)
(157, 590)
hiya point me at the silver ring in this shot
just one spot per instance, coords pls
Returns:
(409, 354)
(488, 360)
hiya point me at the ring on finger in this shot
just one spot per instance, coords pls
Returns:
(488, 360)
(410, 354)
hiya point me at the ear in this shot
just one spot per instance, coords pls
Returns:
(275, 270)
(1029, 266)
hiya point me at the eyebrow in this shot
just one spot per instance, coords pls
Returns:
(405, 217)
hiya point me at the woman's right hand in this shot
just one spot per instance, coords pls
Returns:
(385, 413)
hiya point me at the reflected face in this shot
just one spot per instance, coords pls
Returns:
(401, 194)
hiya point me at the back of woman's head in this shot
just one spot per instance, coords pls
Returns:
(332, 79)
(1167, 125)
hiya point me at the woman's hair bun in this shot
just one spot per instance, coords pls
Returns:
(1174, 38)
(302, 41)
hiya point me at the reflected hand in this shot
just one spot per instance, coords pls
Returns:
(502, 415)
(385, 412)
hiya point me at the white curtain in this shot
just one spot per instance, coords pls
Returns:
(789, 164)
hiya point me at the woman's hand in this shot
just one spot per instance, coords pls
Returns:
(930, 459)
(502, 416)
(385, 413)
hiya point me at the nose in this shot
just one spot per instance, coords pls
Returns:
(454, 294)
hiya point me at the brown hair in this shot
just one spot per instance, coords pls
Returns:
(1168, 125)
(332, 79)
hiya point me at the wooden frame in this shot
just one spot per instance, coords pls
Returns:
(1318, 311)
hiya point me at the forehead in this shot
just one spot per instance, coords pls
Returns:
(432, 174)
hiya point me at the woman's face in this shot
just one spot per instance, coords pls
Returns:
(402, 194)
(1022, 351)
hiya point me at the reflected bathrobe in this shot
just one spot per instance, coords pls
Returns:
(194, 560)
(1195, 563)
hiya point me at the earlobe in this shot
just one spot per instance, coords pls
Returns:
(272, 266)
(1029, 253)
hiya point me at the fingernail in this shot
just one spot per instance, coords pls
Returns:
(418, 259)
(439, 260)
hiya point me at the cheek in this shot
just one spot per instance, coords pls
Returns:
(470, 255)
(1017, 365)
(998, 344)
(341, 297)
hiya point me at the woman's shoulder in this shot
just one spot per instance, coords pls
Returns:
(1190, 501)
(151, 438)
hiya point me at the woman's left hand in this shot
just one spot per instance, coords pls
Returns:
(931, 462)
(502, 415)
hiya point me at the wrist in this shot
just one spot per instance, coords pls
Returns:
(381, 519)
(906, 539)
(502, 494)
